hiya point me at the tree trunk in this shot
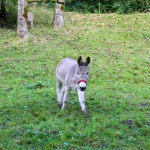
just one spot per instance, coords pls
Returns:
(58, 19)
(22, 29)
(3, 9)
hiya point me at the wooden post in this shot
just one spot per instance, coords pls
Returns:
(58, 19)
(22, 29)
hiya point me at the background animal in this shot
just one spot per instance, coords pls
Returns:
(30, 18)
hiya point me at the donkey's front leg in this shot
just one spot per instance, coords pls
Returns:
(81, 100)
(65, 99)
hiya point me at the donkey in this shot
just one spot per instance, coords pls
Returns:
(30, 18)
(72, 74)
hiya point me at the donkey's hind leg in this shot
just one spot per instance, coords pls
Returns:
(65, 98)
(59, 92)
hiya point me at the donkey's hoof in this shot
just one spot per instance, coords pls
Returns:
(59, 106)
(84, 112)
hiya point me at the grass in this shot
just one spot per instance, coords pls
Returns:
(117, 97)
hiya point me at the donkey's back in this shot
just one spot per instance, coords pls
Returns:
(65, 69)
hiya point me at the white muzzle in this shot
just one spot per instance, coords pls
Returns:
(82, 85)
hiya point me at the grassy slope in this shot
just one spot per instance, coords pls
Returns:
(117, 97)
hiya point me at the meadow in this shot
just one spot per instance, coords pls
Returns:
(118, 92)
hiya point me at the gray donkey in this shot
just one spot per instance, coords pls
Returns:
(72, 74)
(30, 18)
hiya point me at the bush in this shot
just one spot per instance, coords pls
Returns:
(126, 6)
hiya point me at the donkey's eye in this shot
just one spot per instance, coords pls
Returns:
(87, 73)
(78, 73)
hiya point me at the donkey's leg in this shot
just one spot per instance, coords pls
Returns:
(32, 24)
(62, 92)
(65, 99)
(82, 100)
(59, 89)
(62, 95)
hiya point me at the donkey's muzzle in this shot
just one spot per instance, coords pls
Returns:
(82, 85)
(82, 88)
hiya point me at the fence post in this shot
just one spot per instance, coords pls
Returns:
(22, 29)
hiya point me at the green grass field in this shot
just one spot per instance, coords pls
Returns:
(117, 96)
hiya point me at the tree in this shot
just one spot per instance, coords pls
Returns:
(58, 18)
(3, 9)
(22, 29)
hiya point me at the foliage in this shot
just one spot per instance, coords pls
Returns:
(11, 15)
(2, 9)
(117, 96)
(97, 6)
(126, 6)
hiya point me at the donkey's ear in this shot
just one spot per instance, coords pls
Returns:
(87, 61)
(79, 60)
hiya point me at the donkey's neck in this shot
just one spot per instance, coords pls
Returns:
(71, 79)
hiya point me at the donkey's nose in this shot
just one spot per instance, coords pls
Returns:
(82, 88)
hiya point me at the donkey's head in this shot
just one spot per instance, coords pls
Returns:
(82, 73)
